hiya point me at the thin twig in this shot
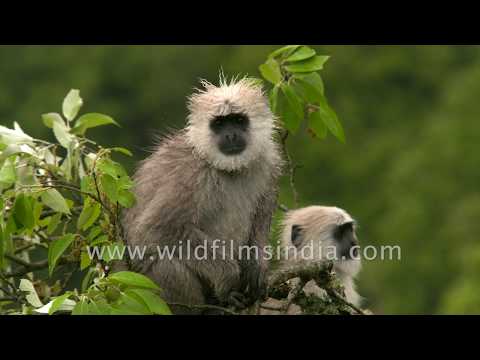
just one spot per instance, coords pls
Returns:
(23, 248)
(18, 260)
(205, 307)
(8, 298)
(7, 281)
(31, 267)
(292, 168)
(5, 290)
(340, 298)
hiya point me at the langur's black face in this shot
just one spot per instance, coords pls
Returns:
(230, 133)
(346, 241)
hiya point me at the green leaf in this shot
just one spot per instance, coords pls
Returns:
(290, 109)
(133, 279)
(31, 296)
(125, 183)
(87, 184)
(126, 198)
(89, 215)
(130, 304)
(113, 252)
(317, 126)
(66, 305)
(112, 294)
(302, 53)
(91, 120)
(23, 211)
(100, 240)
(100, 307)
(88, 278)
(286, 50)
(330, 119)
(45, 221)
(271, 71)
(72, 104)
(54, 222)
(112, 168)
(313, 64)
(94, 232)
(310, 86)
(81, 308)
(7, 173)
(37, 211)
(85, 260)
(109, 186)
(274, 98)
(52, 118)
(122, 151)
(56, 250)
(293, 100)
(58, 302)
(62, 135)
(291, 121)
(54, 200)
(154, 303)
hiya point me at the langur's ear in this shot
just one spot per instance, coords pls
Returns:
(296, 235)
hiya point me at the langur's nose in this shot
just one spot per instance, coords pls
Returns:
(231, 137)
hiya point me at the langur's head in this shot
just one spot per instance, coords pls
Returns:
(230, 125)
(324, 233)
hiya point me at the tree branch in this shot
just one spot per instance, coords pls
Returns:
(307, 273)
(338, 297)
(205, 307)
(31, 267)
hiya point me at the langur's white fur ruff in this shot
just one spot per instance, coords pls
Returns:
(317, 224)
(238, 96)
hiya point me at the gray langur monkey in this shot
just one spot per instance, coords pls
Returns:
(216, 179)
(328, 233)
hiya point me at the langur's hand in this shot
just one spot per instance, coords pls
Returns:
(255, 282)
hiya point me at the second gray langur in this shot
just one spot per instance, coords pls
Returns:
(329, 234)
(214, 179)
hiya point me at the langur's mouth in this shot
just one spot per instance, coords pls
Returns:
(232, 149)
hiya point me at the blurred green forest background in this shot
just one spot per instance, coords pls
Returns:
(409, 172)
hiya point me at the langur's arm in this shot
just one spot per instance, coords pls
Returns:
(219, 269)
(254, 272)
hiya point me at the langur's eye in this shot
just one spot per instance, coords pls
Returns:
(216, 123)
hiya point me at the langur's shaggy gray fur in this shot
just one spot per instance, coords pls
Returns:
(187, 190)
(317, 227)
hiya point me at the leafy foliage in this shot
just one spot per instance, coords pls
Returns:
(298, 91)
(64, 198)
